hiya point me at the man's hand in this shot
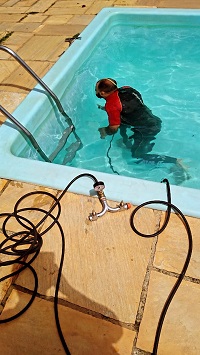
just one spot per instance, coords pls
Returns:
(102, 132)
(101, 107)
(105, 131)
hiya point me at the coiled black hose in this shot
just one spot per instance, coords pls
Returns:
(29, 242)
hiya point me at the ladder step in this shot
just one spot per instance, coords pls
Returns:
(61, 143)
(71, 152)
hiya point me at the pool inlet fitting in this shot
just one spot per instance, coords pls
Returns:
(98, 187)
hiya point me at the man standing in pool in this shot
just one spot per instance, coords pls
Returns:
(125, 109)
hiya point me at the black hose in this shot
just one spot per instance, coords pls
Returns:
(186, 263)
(29, 242)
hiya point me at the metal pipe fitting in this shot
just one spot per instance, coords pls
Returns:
(98, 187)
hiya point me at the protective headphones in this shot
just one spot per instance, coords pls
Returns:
(111, 81)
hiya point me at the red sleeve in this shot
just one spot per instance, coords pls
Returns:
(113, 108)
(114, 117)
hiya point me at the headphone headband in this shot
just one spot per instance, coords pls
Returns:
(111, 81)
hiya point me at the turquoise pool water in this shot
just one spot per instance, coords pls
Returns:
(154, 50)
(162, 62)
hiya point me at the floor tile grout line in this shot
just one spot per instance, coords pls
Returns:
(144, 292)
(76, 307)
(176, 275)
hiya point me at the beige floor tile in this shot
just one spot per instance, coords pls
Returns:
(18, 27)
(11, 100)
(65, 30)
(58, 19)
(172, 247)
(21, 80)
(41, 6)
(16, 190)
(98, 6)
(180, 332)
(15, 10)
(11, 2)
(7, 56)
(150, 3)
(114, 262)
(26, 27)
(67, 11)
(6, 68)
(72, 3)
(2, 119)
(39, 18)
(26, 3)
(126, 2)
(18, 38)
(193, 4)
(35, 331)
(69, 7)
(81, 20)
(41, 47)
(6, 26)
(10, 17)
(3, 182)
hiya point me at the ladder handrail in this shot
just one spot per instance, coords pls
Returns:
(51, 93)
(38, 79)
(26, 132)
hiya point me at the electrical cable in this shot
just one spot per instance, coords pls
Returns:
(29, 242)
(187, 260)
(109, 158)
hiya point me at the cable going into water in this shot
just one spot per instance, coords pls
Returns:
(109, 158)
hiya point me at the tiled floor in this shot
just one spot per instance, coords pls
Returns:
(114, 283)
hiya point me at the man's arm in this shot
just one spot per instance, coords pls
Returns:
(113, 111)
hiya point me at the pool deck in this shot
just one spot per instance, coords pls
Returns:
(114, 283)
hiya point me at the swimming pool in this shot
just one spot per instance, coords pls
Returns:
(66, 78)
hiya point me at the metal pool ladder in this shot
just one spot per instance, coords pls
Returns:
(72, 149)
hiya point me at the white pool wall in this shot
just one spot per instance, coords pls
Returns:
(118, 188)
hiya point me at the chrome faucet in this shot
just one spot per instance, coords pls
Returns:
(99, 187)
